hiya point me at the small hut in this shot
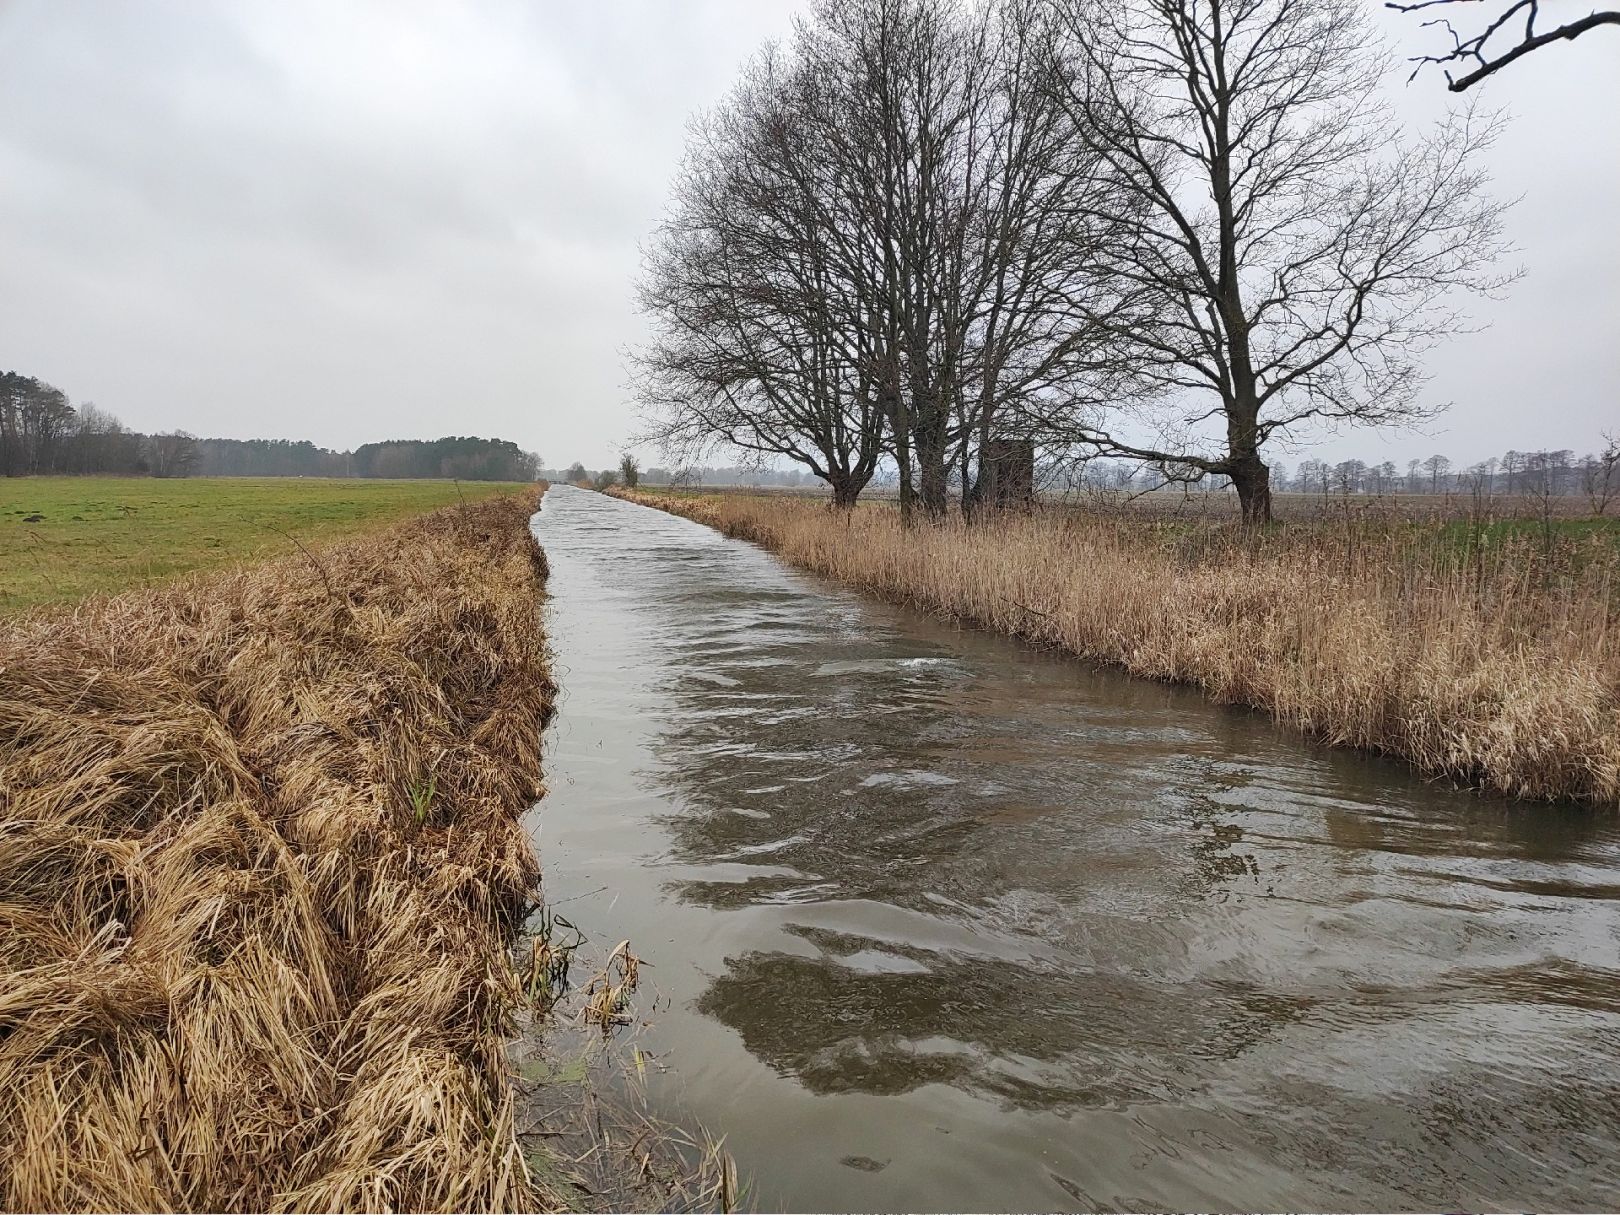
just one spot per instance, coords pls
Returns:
(1007, 473)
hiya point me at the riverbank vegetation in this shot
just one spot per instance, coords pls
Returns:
(65, 537)
(260, 871)
(1484, 652)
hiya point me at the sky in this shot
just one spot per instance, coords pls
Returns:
(354, 221)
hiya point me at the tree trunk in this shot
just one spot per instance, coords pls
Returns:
(908, 495)
(971, 485)
(1252, 479)
(934, 491)
(900, 431)
(845, 492)
(933, 473)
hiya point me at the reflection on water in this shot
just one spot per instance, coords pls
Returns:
(944, 922)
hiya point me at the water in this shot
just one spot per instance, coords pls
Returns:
(937, 921)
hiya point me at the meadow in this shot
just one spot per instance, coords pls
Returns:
(62, 538)
(1478, 649)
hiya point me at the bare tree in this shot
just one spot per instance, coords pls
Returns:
(629, 471)
(1438, 467)
(1351, 476)
(876, 248)
(100, 443)
(1600, 476)
(1293, 251)
(172, 454)
(1036, 273)
(35, 421)
(976, 268)
(912, 81)
(1511, 33)
(1315, 476)
(760, 320)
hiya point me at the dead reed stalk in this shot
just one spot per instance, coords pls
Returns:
(260, 865)
(1494, 664)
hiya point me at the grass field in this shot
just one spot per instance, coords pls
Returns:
(62, 538)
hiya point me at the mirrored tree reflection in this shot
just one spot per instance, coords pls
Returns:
(870, 1016)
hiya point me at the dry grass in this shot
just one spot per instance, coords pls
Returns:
(1487, 656)
(584, 1105)
(260, 865)
(1193, 504)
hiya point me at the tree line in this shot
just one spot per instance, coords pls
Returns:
(458, 457)
(43, 433)
(692, 475)
(1594, 476)
(1170, 231)
(1535, 474)
(1561, 473)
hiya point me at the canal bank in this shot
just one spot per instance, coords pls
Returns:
(1474, 652)
(260, 873)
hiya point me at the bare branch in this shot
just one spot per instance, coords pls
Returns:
(1478, 50)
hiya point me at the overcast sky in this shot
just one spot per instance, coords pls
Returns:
(354, 221)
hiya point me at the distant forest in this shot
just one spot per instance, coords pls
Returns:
(745, 475)
(465, 458)
(1545, 473)
(42, 432)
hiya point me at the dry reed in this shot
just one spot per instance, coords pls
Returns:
(260, 865)
(1495, 663)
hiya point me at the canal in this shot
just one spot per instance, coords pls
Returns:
(935, 920)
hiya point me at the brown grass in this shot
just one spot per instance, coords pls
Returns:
(260, 865)
(1194, 504)
(1489, 657)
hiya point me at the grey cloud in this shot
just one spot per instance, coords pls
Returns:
(344, 222)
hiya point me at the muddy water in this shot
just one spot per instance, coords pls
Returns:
(938, 922)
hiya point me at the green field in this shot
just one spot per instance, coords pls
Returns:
(65, 537)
